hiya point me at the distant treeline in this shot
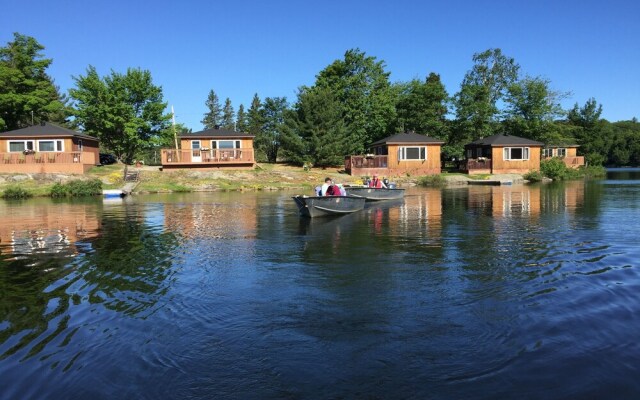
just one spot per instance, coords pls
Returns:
(351, 104)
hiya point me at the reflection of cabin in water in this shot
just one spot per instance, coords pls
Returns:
(47, 228)
(399, 154)
(502, 154)
(505, 200)
(211, 149)
(47, 148)
(213, 220)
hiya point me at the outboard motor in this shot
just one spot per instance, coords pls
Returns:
(386, 181)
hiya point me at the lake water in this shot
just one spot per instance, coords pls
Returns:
(524, 291)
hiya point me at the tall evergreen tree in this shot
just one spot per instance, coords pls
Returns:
(27, 94)
(319, 134)
(255, 117)
(242, 124)
(269, 140)
(227, 121)
(590, 131)
(213, 116)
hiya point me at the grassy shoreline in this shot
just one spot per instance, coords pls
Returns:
(263, 177)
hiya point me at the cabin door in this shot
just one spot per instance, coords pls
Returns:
(196, 153)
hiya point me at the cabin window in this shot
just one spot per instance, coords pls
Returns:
(469, 153)
(412, 153)
(516, 153)
(20, 145)
(195, 145)
(50, 145)
(561, 152)
(547, 153)
(225, 144)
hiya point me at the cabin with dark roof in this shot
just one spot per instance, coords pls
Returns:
(502, 154)
(47, 148)
(399, 154)
(213, 148)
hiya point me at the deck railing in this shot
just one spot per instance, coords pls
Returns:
(365, 162)
(213, 156)
(475, 163)
(42, 158)
(572, 162)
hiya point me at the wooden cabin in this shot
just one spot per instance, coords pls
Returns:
(502, 154)
(399, 154)
(214, 148)
(47, 148)
(568, 154)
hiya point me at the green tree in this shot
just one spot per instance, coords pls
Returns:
(27, 94)
(227, 121)
(125, 111)
(269, 140)
(242, 124)
(480, 92)
(362, 86)
(531, 109)
(592, 133)
(255, 117)
(422, 107)
(318, 133)
(213, 116)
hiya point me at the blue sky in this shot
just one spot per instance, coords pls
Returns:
(238, 48)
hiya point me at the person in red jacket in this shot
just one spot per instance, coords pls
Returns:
(376, 183)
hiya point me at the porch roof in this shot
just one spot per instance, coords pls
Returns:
(45, 129)
(407, 137)
(501, 139)
(215, 133)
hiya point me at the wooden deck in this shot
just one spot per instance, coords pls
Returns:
(47, 162)
(215, 158)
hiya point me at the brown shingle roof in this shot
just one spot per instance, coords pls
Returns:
(216, 133)
(505, 140)
(408, 137)
(45, 130)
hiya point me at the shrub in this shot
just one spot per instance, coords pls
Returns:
(77, 188)
(431, 180)
(553, 168)
(59, 190)
(15, 192)
(594, 171)
(533, 176)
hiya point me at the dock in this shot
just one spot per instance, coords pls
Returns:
(490, 182)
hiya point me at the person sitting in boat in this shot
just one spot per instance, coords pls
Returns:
(376, 183)
(329, 188)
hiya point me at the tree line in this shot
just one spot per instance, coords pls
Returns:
(351, 104)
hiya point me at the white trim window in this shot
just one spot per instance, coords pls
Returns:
(412, 153)
(225, 144)
(561, 152)
(51, 145)
(515, 153)
(18, 146)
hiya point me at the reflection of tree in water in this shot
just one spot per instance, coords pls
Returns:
(126, 268)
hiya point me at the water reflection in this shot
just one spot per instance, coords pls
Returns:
(61, 259)
(232, 294)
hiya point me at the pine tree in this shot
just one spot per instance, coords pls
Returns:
(212, 117)
(27, 94)
(227, 121)
(241, 120)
